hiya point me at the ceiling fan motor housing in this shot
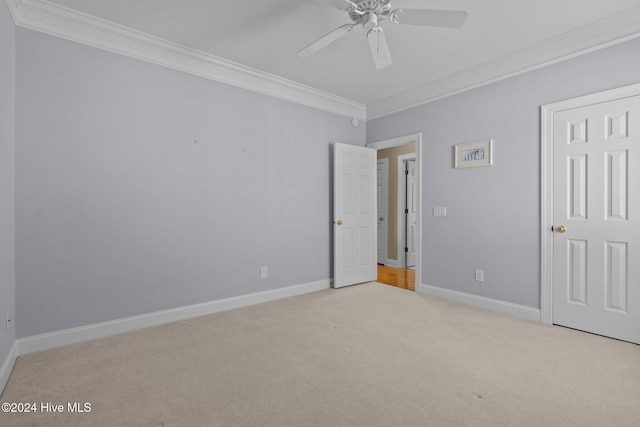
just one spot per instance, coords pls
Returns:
(369, 12)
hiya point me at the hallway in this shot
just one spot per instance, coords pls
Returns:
(400, 277)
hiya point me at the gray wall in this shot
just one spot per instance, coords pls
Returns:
(120, 213)
(493, 220)
(7, 201)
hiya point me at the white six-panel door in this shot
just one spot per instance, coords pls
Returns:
(354, 215)
(596, 218)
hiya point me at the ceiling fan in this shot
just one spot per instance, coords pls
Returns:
(370, 13)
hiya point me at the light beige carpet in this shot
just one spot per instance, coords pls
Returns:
(367, 355)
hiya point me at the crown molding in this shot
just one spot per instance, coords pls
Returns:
(607, 32)
(55, 20)
(49, 18)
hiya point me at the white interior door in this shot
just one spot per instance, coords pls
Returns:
(596, 217)
(354, 215)
(412, 214)
(382, 174)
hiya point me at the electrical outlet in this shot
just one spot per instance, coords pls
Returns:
(264, 272)
(479, 275)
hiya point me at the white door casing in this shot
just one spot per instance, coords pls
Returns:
(411, 214)
(591, 177)
(382, 174)
(354, 215)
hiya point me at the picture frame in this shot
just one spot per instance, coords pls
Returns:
(473, 154)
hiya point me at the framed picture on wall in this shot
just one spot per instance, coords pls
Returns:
(472, 154)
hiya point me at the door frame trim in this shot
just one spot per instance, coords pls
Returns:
(415, 139)
(402, 197)
(546, 185)
(385, 213)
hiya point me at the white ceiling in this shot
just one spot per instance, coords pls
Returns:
(500, 37)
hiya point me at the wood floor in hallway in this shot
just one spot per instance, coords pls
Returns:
(404, 278)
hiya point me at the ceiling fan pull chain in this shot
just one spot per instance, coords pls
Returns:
(375, 32)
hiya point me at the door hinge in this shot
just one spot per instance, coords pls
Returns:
(406, 249)
(406, 171)
(406, 211)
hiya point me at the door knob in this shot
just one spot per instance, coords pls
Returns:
(339, 222)
(381, 218)
(560, 229)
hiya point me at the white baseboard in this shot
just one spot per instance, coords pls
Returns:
(99, 330)
(7, 366)
(503, 307)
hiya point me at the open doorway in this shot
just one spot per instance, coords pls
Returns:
(399, 211)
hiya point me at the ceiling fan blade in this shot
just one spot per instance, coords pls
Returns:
(432, 17)
(338, 4)
(325, 41)
(379, 48)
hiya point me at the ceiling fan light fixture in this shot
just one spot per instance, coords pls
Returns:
(370, 20)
